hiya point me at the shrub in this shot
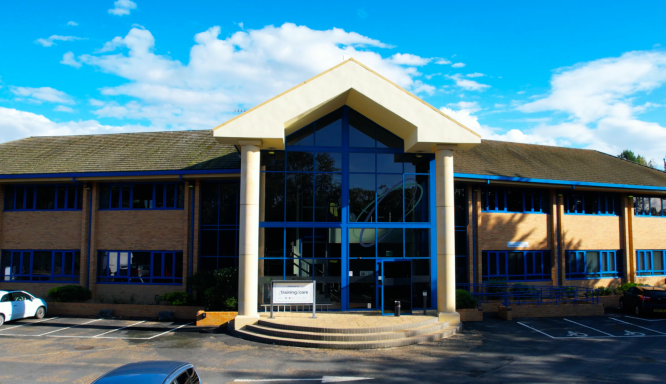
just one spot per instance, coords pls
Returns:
(625, 287)
(498, 286)
(465, 300)
(606, 291)
(69, 294)
(523, 291)
(216, 290)
(176, 298)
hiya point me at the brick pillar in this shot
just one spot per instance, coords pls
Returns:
(195, 238)
(477, 225)
(92, 268)
(187, 211)
(627, 239)
(560, 231)
(85, 228)
(2, 211)
(552, 230)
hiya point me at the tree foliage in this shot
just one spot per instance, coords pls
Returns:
(629, 155)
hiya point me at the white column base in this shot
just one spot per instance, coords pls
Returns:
(241, 321)
(452, 317)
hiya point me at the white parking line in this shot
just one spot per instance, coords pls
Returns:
(34, 322)
(605, 333)
(651, 330)
(171, 330)
(62, 329)
(101, 334)
(638, 318)
(534, 329)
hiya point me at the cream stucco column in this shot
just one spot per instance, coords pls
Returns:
(446, 252)
(248, 262)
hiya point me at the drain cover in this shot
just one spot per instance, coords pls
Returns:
(84, 348)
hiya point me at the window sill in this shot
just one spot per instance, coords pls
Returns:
(522, 213)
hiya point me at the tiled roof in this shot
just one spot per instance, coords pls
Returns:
(156, 151)
(498, 158)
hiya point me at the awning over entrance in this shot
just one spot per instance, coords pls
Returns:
(350, 83)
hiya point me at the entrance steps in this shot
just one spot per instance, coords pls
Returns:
(379, 336)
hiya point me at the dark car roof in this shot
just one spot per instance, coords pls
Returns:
(652, 288)
(145, 372)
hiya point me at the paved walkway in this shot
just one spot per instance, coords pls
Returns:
(342, 319)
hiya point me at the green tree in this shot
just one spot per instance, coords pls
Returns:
(638, 159)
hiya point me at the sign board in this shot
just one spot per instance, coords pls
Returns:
(293, 292)
(517, 244)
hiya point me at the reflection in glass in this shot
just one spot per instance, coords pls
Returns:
(299, 243)
(362, 281)
(269, 270)
(298, 269)
(655, 206)
(417, 242)
(417, 163)
(386, 139)
(272, 160)
(328, 194)
(362, 242)
(460, 207)
(420, 282)
(300, 161)
(417, 201)
(303, 137)
(328, 274)
(389, 163)
(389, 198)
(273, 197)
(300, 196)
(328, 242)
(271, 242)
(389, 242)
(361, 198)
(328, 162)
(361, 162)
(361, 130)
(328, 130)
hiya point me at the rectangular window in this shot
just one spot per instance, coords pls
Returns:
(516, 265)
(592, 203)
(521, 200)
(650, 206)
(40, 266)
(140, 267)
(591, 264)
(43, 197)
(218, 245)
(142, 196)
(651, 263)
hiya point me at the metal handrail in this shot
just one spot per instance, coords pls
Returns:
(520, 294)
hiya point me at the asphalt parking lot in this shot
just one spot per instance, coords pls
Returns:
(608, 349)
(92, 328)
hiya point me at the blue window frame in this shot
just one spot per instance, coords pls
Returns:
(650, 206)
(592, 264)
(140, 267)
(341, 196)
(592, 203)
(141, 196)
(42, 266)
(516, 265)
(43, 197)
(651, 262)
(218, 244)
(521, 200)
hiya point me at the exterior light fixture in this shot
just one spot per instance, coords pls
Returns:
(271, 153)
(630, 197)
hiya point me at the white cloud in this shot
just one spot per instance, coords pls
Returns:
(72, 23)
(63, 108)
(409, 59)
(443, 61)
(458, 65)
(475, 74)
(235, 72)
(50, 41)
(68, 59)
(122, 7)
(468, 106)
(597, 100)
(42, 94)
(15, 124)
(466, 84)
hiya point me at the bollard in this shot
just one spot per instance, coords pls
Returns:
(397, 308)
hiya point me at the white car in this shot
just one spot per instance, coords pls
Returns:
(17, 305)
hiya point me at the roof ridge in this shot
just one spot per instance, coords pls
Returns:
(117, 133)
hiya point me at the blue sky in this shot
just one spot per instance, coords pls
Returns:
(580, 74)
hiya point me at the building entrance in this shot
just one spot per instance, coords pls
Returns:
(395, 284)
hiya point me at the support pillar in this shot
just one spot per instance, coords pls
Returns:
(446, 258)
(248, 262)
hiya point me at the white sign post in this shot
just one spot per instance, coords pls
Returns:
(293, 292)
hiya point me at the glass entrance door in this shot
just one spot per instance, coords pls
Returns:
(395, 282)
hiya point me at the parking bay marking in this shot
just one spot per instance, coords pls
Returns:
(21, 325)
(100, 336)
(578, 335)
(75, 325)
(651, 330)
(324, 379)
(638, 318)
(131, 325)
(605, 333)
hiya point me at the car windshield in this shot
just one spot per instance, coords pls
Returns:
(654, 293)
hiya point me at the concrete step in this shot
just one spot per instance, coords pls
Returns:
(442, 333)
(387, 328)
(319, 336)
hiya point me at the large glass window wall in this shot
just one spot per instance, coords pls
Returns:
(340, 198)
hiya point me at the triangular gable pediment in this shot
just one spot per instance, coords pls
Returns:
(419, 124)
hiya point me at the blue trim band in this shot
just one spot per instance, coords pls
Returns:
(560, 182)
(115, 174)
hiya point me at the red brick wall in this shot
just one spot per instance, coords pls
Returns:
(41, 230)
(140, 294)
(496, 229)
(591, 232)
(92, 309)
(141, 230)
(39, 290)
(649, 232)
